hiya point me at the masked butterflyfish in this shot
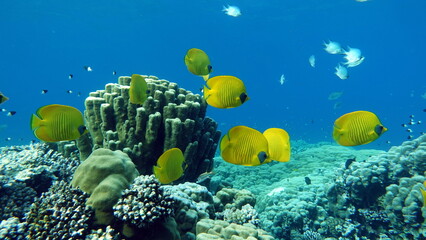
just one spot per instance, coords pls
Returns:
(244, 146)
(198, 63)
(279, 144)
(169, 166)
(3, 98)
(53, 123)
(225, 92)
(138, 89)
(357, 128)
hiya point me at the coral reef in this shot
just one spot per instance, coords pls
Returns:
(60, 213)
(236, 206)
(192, 203)
(170, 117)
(144, 203)
(383, 193)
(369, 195)
(28, 171)
(217, 229)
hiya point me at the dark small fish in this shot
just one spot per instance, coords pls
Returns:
(424, 110)
(411, 123)
(410, 137)
(307, 181)
(79, 94)
(114, 73)
(32, 141)
(404, 125)
(11, 113)
(3, 110)
(419, 122)
(349, 162)
(8, 139)
(388, 142)
(44, 91)
(70, 76)
(411, 116)
(409, 130)
(69, 91)
(88, 68)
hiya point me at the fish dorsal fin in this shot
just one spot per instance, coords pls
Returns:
(47, 110)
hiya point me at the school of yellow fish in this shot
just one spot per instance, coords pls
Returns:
(241, 145)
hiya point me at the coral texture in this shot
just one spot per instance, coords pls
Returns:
(170, 117)
(60, 213)
(193, 202)
(104, 175)
(144, 203)
(28, 171)
(383, 193)
(217, 229)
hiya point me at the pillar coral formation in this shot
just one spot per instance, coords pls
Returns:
(170, 117)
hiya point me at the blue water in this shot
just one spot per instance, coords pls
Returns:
(42, 42)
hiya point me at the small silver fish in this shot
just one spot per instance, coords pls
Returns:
(341, 72)
(282, 79)
(353, 57)
(233, 11)
(332, 47)
(88, 68)
(312, 60)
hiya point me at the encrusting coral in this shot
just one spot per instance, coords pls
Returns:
(104, 175)
(170, 117)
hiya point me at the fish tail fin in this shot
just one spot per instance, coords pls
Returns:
(423, 192)
(157, 172)
(35, 122)
(206, 91)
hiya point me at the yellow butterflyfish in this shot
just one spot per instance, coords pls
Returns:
(225, 92)
(198, 63)
(3, 98)
(53, 123)
(244, 146)
(138, 89)
(169, 166)
(357, 128)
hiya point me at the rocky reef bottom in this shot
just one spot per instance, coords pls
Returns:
(324, 192)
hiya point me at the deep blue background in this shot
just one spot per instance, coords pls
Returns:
(41, 42)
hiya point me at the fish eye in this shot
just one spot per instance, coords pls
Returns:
(210, 68)
(243, 97)
(82, 129)
(262, 156)
(378, 129)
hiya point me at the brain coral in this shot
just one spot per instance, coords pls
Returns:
(170, 117)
